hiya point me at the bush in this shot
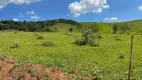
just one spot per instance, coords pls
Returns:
(95, 44)
(124, 28)
(15, 45)
(48, 44)
(117, 38)
(80, 42)
(99, 35)
(97, 74)
(40, 37)
(47, 29)
(121, 56)
(15, 32)
(87, 38)
(95, 29)
(115, 28)
(71, 30)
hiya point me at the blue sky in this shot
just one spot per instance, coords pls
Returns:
(79, 10)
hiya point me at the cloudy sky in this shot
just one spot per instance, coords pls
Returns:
(79, 10)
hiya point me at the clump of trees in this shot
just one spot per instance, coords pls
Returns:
(121, 28)
(34, 26)
(124, 28)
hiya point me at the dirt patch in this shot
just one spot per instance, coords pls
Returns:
(6, 65)
(30, 72)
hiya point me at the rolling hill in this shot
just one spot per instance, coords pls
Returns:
(135, 26)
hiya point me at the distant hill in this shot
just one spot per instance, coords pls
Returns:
(66, 25)
(45, 26)
(135, 26)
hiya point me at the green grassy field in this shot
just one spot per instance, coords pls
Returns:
(135, 26)
(102, 61)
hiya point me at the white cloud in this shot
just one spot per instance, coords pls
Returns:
(106, 6)
(140, 8)
(111, 19)
(15, 19)
(3, 3)
(35, 17)
(85, 6)
(30, 12)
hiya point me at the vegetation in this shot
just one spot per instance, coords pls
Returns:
(115, 29)
(40, 37)
(34, 26)
(130, 27)
(48, 44)
(87, 38)
(108, 61)
(65, 25)
(15, 45)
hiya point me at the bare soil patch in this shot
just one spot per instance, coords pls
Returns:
(29, 72)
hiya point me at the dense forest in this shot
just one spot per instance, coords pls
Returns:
(34, 26)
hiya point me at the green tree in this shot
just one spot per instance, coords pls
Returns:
(115, 29)
(125, 28)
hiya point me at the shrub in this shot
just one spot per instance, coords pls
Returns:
(47, 29)
(15, 32)
(125, 28)
(35, 34)
(80, 42)
(121, 56)
(55, 29)
(115, 29)
(95, 44)
(71, 30)
(15, 45)
(99, 35)
(95, 29)
(48, 44)
(117, 38)
(87, 38)
(97, 74)
(40, 37)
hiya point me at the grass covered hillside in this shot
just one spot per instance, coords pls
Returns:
(65, 25)
(62, 27)
(134, 26)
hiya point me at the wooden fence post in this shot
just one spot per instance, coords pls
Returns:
(131, 54)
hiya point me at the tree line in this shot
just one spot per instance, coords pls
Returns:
(124, 28)
(32, 26)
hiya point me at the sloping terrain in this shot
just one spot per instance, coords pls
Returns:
(135, 26)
